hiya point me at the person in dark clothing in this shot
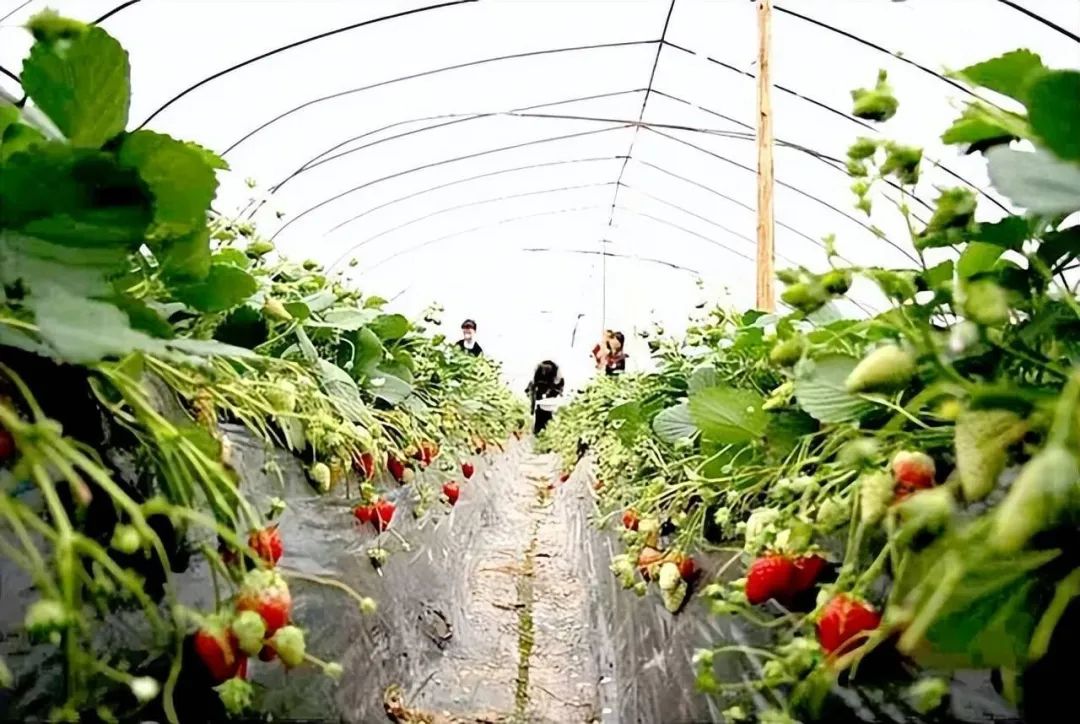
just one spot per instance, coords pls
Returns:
(616, 358)
(546, 383)
(468, 343)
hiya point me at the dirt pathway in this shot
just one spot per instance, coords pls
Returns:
(523, 653)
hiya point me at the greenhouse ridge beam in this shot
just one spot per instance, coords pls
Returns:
(629, 154)
(296, 44)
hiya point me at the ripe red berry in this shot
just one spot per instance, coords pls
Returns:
(384, 513)
(365, 465)
(267, 544)
(467, 470)
(217, 649)
(451, 491)
(842, 619)
(7, 445)
(807, 570)
(267, 594)
(364, 513)
(630, 520)
(564, 477)
(769, 576)
(913, 471)
(687, 568)
(396, 468)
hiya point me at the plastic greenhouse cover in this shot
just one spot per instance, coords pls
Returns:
(554, 168)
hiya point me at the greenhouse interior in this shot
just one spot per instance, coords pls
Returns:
(565, 361)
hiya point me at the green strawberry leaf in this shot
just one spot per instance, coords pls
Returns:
(1010, 232)
(1053, 109)
(180, 176)
(188, 257)
(389, 327)
(1008, 74)
(224, 287)
(1036, 181)
(703, 377)
(83, 330)
(388, 387)
(346, 318)
(35, 262)
(784, 430)
(82, 84)
(18, 137)
(821, 391)
(978, 257)
(728, 415)
(674, 424)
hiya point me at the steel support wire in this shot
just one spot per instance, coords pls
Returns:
(443, 162)
(612, 255)
(629, 154)
(427, 73)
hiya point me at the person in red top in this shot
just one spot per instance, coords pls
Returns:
(601, 351)
(616, 357)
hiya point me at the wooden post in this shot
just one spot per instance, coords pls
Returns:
(766, 300)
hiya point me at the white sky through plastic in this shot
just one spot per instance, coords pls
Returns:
(488, 154)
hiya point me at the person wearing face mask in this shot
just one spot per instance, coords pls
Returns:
(468, 343)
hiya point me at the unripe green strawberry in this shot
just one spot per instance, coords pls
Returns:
(126, 539)
(787, 352)
(669, 576)
(983, 438)
(837, 281)
(144, 688)
(926, 695)
(1047, 490)
(862, 148)
(282, 395)
(806, 297)
(320, 473)
(288, 641)
(236, 695)
(258, 248)
(886, 368)
(875, 495)
(45, 619)
(274, 309)
(310, 264)
(249, 629)
(924, 511)
(986, 303)
(876, 104)
(790, 276)
(674, 597)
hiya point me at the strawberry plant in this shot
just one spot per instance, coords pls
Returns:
(134, 321)
(917, 471)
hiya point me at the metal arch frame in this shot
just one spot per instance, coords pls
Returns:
(436, 164)
(611, 254)
(485, 152)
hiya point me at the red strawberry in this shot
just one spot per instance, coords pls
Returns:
(630, 519)
(913, 471)
(842, 619)
(267, 653)
(267, 594)
(807, 570)
(396, 468)
(648, 557)
(364, 513)
(267, 544)
(430, 451)
(216, 647)
(467, 470)
(564, 477)
(7, 445)
(384, 513)
(687, 567)
(365, 465)
(451, 491)
(241, 671)
(769, 576)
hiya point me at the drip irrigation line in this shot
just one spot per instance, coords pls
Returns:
(791, 187)
(296, 44)
(466, 180)
(433, 71)
(443, 162)
(1039, 18)
(613, 255)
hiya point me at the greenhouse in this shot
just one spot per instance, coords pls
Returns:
(654, 361)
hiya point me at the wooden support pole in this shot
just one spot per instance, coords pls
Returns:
(766, 300)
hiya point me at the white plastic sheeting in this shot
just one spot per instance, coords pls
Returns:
(552, 168)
